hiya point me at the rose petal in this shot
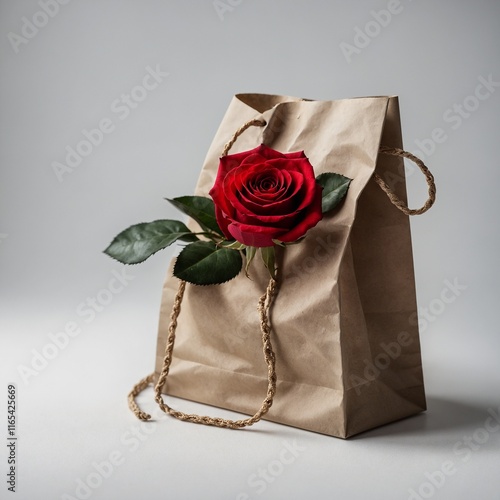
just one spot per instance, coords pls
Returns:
(257, 181)
(297, 154)
(270, 153)
(237, 158)
(312, 216)
(235, 193)
(228, 163)
(254, 236)
(253, 160)
(286, 180)
(281, 221)
(289, 202)
(309, 180)
(223, 222)
(220, 201)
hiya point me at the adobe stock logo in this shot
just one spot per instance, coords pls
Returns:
(224, 6)
(436, 307)
(453, 118)
(31, 27)
(89, 309)
(264, 477)
(122, 107)
(363, 36)
(392, 350)
(457, 114)
(464, 448)
(131, 440)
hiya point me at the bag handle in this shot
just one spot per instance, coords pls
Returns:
(395, 200)
(256, 122)
(269, 356)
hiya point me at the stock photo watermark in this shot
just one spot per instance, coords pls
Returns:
(456, 115)
(263, 477)
(436, 307)
(121, 107)
(130, 440)
(391, 351)
(30, 27)
(12, 438)
(223, 7)
(464, 448)
(453, 118)
(364, 35)
(87, 311)
(325, 248)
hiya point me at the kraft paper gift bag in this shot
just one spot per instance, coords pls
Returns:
(341, 354)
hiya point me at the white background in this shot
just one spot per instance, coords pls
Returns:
(68, 76)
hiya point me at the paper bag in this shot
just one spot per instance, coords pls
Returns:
(347, 352)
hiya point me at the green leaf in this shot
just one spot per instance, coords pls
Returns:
(235, 245)
(269, 258)
(136, 243)
(335, 187)
(287, 244)
(249, 254)
(279, 243)
(203, 263)
(199, 208)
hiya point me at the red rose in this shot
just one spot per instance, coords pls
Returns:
(264, 195)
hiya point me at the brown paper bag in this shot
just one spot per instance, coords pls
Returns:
(347, 355)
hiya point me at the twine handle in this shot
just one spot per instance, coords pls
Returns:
(136, 390)
(269, 356)
(395, 200)
(255, 122)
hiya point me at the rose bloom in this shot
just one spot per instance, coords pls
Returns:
(263, 195)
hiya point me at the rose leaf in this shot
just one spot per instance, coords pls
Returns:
(136, 243)
(203, 263)
(199, 208)
(249, 254)
(234, 245)
(335, 187)
(269, 258)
